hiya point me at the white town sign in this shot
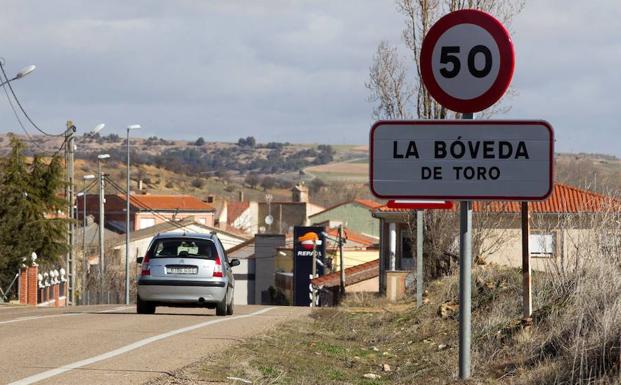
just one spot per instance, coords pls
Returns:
(443, 159)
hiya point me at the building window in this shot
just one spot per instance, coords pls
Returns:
(542, 245)
(408, 247)
(146, 222)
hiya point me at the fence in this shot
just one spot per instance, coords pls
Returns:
(47, 289)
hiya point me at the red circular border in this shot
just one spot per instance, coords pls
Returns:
(507, 60)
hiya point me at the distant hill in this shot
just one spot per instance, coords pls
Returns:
(216, 168)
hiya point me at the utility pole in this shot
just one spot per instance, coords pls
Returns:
(69, 193)
(314, 292)
(341, 260)
(127, 215)
(101, 224)
(127, 228)
(84, 224)
(268, 198)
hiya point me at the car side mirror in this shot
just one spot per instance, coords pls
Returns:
(234, 262)
(139, 259)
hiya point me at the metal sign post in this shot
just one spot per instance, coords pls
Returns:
(465, 282)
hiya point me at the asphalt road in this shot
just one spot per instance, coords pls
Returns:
(111, 344)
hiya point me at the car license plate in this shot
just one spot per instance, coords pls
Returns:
(182, 270)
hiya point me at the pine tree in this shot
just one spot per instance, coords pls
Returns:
(29, 203)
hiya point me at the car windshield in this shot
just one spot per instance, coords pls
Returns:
(184, 248)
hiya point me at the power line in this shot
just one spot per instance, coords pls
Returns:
(30, 138)
(22, 108)
(143, 205)
(88, 187)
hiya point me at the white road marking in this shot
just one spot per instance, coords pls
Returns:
(128, 348)
(21, 319)
(37, 317)
(116, 309)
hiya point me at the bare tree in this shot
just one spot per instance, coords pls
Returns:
(390, 84)
(490, 231)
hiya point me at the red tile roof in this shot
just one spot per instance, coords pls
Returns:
(169, 202)
(234, 210)
(369, 204)
(353, 275)
(564, 199)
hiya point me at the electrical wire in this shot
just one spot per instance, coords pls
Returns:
(8, 97)
(30, 139)
(165, 219)
(22, 108)
(143, 205)
(88, 187)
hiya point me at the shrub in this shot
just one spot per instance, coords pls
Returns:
(198, 183)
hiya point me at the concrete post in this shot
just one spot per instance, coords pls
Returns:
(419, 258)
(392, 230)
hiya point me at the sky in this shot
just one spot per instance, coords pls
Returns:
(283, 70)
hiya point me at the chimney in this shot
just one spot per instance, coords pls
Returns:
(299, 193)
(210, 198)
(241, 196)
(140, 185)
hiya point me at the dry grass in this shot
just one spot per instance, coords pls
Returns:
(576, 332)
(575, 337)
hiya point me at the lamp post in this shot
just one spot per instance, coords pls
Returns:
(101, 222)
(85, 178)
(24, 71)
(127, 228)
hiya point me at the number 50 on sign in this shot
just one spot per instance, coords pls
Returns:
(467, 61)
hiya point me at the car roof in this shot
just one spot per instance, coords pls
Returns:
(186, 235)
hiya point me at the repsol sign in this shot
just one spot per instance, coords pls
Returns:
(461, 159)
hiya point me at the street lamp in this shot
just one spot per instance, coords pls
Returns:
(97, 128)
(85, 178)
(24, 71)
(127, 228)
(101, 221)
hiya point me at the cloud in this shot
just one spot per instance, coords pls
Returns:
(281, 70)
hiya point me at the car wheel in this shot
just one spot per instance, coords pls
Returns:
(144, 307)
(229, 309)
(221, 307)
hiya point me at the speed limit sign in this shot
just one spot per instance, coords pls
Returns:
(467, 60)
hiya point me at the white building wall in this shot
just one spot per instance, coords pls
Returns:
(244, 282)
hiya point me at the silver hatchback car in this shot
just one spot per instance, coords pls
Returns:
(186, 270)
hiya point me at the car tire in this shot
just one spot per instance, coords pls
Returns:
(144, 307)
(221, 307)
(229, 309)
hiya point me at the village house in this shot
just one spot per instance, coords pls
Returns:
(558, 225)
(354, 214)
(284, 214)
(147, 210)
